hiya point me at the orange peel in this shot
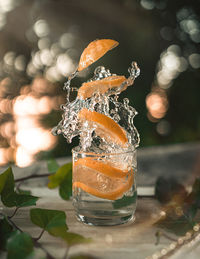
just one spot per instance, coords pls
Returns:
(106, 127)
(97, 182)
(94, 51)
(100, 86)
(114, 195)
(103, 168)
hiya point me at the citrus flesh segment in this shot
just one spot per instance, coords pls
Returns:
(106, 127)
(95, 50)
(100, 86)
(102, 167)
(100, 185)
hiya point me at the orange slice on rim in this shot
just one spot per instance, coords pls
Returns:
(106, 127)
(98, 183)
(100, 86)
(94, 51)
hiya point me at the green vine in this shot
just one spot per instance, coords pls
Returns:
(180, 206)
(180, 209)
(16, 243)
(180, 214)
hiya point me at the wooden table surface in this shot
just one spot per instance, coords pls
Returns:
(136, 240)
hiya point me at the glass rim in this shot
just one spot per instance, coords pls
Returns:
(74, 151)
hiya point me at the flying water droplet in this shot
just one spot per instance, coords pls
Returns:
(122, 113)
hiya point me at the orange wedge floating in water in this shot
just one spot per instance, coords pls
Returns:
(100, 86)
(106, 127)
(96, 181)
(104, 168)
(95, 50)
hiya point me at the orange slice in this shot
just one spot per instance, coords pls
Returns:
(104, 168)
(113, 195)
(106, 127)
(99, 184)
(95, 50)
(100, 86)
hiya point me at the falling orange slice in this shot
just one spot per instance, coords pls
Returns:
(100, 86)
(106, 127)
(98, 183)
(95, 50)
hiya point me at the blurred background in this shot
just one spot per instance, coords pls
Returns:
(40, 45)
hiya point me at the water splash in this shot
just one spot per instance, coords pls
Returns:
(108, 104)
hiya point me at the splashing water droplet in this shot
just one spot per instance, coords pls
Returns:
(116, 118)
(122, 113)
(100, 73)
(126, 102)
(134, 70)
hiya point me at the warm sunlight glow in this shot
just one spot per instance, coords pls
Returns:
(5, 106)
(3, 159)
(157, 105)
(35, 139)
(41, 86)
(45, 105)
(7, 129)
(25, 133)
(23, 158)
(25, 105)
(26, 122)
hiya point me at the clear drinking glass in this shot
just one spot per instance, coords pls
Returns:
(104, 187)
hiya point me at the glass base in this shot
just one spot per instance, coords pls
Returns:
(95, 221)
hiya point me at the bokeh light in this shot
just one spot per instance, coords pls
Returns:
(41, 48)
(41, 28)
(157, 104)
(23, 135)
(194, 60)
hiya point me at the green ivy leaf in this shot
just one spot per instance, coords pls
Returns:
(167, 189)
(190, 214)
(193, 198)
(20, 191)
(196, 187)
(82, 256)
(63, 179)
(7, 186)
(178, 225)
(8, 199)
(48, 219)
(24, 200)
(8, 195)
(125, 201)
(65, 188)
(181, 200)
(54, 222)
(52, 166)
(19, 246)
(69, 237)
(5, 231)
(74, 239)
(57, 178)
(14, 199)
(7, 181)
